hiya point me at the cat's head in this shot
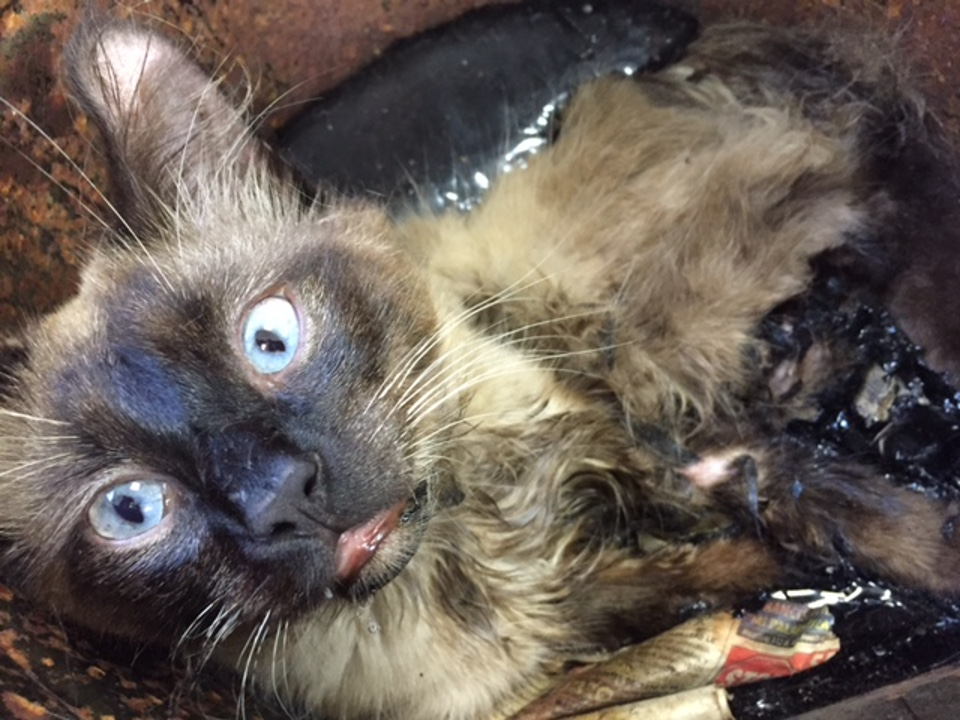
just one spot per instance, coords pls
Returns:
(220, 421)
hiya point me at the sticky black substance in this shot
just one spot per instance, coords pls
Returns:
(439, 115)
(885, 637)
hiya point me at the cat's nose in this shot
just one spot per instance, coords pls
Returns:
(288, 507)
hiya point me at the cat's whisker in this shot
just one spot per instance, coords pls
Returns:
(228, 156)
(38, 465)
(450, 427)
(433, 401)
(188, 155)
(244, 138)
(476, 352)
(434, 458)
(188, 632)
(428, 374)
(254, 122)
(248, 655)
(101, 196)
(482, 347)
(286, 653)
(491, 341)
(32, 418)
(417, 353)
(42, 438)
(468, 423)
(222, 626)
(520, 337)
(279, 657)
(485, 351)
(73, 193)
(469, 311)
(153, 19)
(278, 103)
(88, 209)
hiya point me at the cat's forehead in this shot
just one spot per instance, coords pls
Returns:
(198, 274)
(248, 239)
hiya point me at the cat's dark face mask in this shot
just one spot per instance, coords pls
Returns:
(236, 413)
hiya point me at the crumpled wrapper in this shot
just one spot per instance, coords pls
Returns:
(706, 703)
(720, 649)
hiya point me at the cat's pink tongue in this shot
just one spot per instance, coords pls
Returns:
(357, 546)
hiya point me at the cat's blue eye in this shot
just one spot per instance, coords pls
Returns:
(129, 509)
(271, 335)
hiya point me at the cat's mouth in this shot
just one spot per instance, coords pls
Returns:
(372, 553)
(357, 546)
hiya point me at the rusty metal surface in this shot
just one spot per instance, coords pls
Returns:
(933, 696)
(48, 671)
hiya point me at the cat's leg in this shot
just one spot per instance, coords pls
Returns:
(833, 510)
(630, 598)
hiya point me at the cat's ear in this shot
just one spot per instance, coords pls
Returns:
(168, 128)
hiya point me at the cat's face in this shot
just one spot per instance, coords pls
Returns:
(220, 422)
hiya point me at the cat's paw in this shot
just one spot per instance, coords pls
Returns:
(829, 510)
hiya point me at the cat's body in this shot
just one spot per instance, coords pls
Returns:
(454, 468)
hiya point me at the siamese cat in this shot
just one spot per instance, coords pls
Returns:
(409, 468)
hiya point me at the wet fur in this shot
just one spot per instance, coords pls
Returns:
(539, 380)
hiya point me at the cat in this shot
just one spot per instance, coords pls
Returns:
(410, 468)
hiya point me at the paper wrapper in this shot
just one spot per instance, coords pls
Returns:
(706, 703)
(781, 639)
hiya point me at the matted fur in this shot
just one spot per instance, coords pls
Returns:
(535, 380)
